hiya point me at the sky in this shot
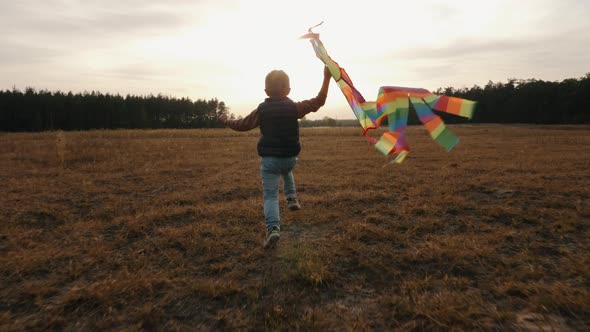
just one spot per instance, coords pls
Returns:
(224, 48)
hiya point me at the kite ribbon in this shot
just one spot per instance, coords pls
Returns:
(393, 104)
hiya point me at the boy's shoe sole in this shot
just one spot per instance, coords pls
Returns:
(271, 240)
(294, 206)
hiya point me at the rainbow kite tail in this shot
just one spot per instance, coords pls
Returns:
(393, 104)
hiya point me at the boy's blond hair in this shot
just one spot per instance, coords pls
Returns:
(277, 84)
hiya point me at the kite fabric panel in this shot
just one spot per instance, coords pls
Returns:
(393, 103)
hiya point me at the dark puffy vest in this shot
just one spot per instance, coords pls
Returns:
(279, 130)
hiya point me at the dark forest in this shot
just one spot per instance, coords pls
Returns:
(515, 101)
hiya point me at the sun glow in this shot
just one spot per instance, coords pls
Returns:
(237, 46)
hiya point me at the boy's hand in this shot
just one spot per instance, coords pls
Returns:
(327, 72)
(223, 119)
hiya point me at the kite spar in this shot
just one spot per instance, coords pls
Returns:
(394, 103)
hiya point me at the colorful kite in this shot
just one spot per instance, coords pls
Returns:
(393, 103)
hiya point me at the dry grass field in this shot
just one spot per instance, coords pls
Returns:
(163, 230)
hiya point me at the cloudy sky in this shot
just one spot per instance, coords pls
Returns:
(224, 48)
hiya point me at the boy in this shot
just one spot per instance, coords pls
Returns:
(278, 145)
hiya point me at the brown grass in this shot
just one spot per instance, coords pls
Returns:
(152, 230)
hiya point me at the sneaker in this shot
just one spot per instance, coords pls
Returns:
(272, 237)
(292, 204)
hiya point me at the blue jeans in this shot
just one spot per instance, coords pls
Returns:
(272, 169)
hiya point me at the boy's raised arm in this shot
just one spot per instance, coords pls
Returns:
(312, 105)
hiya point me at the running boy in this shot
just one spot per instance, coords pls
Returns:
(279, 145)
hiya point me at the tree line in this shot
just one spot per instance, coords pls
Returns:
(516, 101)
(528, 101)
(32, 110)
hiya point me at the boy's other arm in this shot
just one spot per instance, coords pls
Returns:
(312, 105)
(248, 123)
